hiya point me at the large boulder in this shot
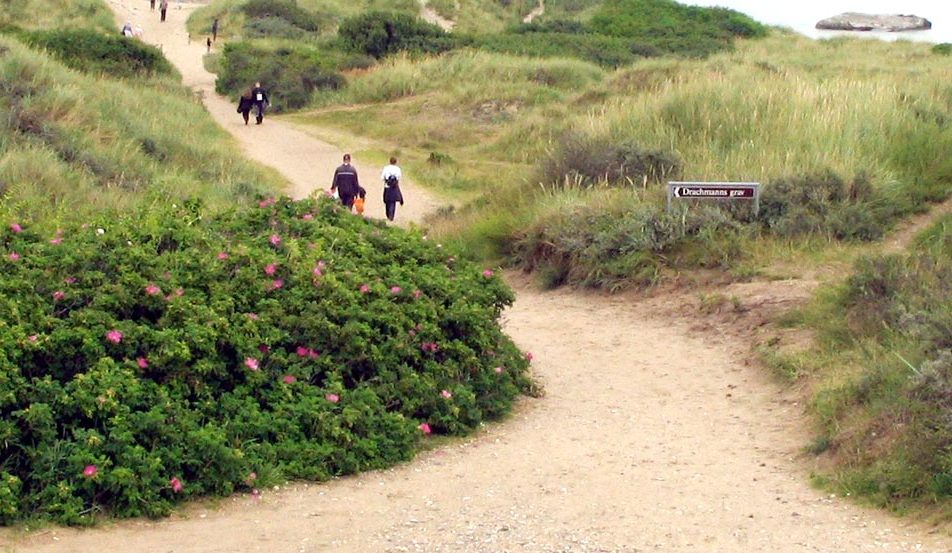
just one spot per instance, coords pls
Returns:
(865, 22)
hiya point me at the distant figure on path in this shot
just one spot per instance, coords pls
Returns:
(260, 98)
(163, 7)
(244, 104)
(346, 183)
(127, 29)
(152, 5)
(215, 30)
(391, 176)
(208, 44)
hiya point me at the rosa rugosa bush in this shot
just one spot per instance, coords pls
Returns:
(150, 357)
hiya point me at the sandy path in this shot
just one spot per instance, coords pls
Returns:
(305, 161)
(430, 16)
(536, 12)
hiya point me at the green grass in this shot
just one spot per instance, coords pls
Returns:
(50, 14)
(72, 144)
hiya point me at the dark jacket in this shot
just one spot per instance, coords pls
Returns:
(244, 104)
(254, 95)
(391, 192)
(345, 181)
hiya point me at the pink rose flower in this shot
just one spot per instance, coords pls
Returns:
(529, 356)
(488, 273)
(142, 362)
(33, 338)
(14, 256)
(253, 316)
(395, 290)
(333, 398)
(176, 484)
(277, 284)
(302, 351)
(446, 394)
(58, 295)
(15, 227)
(251, 363)
(364, 288)
(425, 428)
(498, 370)
(417, 294)
(264, 348)
(270, 269)
(90, 471)
(114, 336)
(152, 290)
(275, 240)
(289, 379)
(307, 217)
(222, 256)
(56, 241)
(70, 280)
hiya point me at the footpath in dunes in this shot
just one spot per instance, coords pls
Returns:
(650, 437)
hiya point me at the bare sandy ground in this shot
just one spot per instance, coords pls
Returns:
(652, 436)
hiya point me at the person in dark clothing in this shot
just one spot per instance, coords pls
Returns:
(208, 44)
(346, 183)
(260, 99)
(245, 104)
(215, 30)
(391, 176)
(163, 6)
(152, 5)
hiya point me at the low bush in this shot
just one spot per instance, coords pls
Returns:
(944, 49)
(823, 203)
(604, 50)
(379, 34)
(284, 10)
(94, 52)
(675, 28)
(291, 74)
(158, 355)
(587, 160)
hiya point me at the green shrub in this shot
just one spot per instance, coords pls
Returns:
(581, 159)
(94, 52)
(672, 27)
(284, 10)
(291, 74)
(273, 27)
(379, 34)
(943, 49)
(157, 355)
(604, 50)
(823, 203)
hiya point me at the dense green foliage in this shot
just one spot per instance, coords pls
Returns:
(156, 355)
(604, 50)
(673, 27)
(888, 419)
(57, 14)
(94, 52)
(379, 34)
(285, 10)
(291, 74)
(72, 143)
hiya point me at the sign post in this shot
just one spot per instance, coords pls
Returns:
(715, 191)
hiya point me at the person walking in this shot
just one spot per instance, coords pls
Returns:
(163, 7)
(260, 99)
(391, 176)
(346, 183)
(245, 104)
(151, 5)
(215, 30)
(208, 45)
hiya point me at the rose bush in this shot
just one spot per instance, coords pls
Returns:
(150, 357)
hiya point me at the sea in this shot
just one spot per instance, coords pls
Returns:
(802, 15)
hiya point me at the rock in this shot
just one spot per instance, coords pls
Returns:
(865, 22)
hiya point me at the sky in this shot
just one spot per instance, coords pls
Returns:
(802, 15)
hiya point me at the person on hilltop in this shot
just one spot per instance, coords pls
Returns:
(260, 99)
(208, 45)
(215, 30)
(245, 104)
(391, 176)
(163, 7)
(151, 5)
(346, 183)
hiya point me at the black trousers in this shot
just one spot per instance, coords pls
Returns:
(391, 210)
(347, 201)
(162, 14)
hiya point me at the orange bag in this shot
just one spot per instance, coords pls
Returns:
(359, 206)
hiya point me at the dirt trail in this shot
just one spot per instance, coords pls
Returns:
(536, 12)
(651, 437)
(431, 16)
(305, 161)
